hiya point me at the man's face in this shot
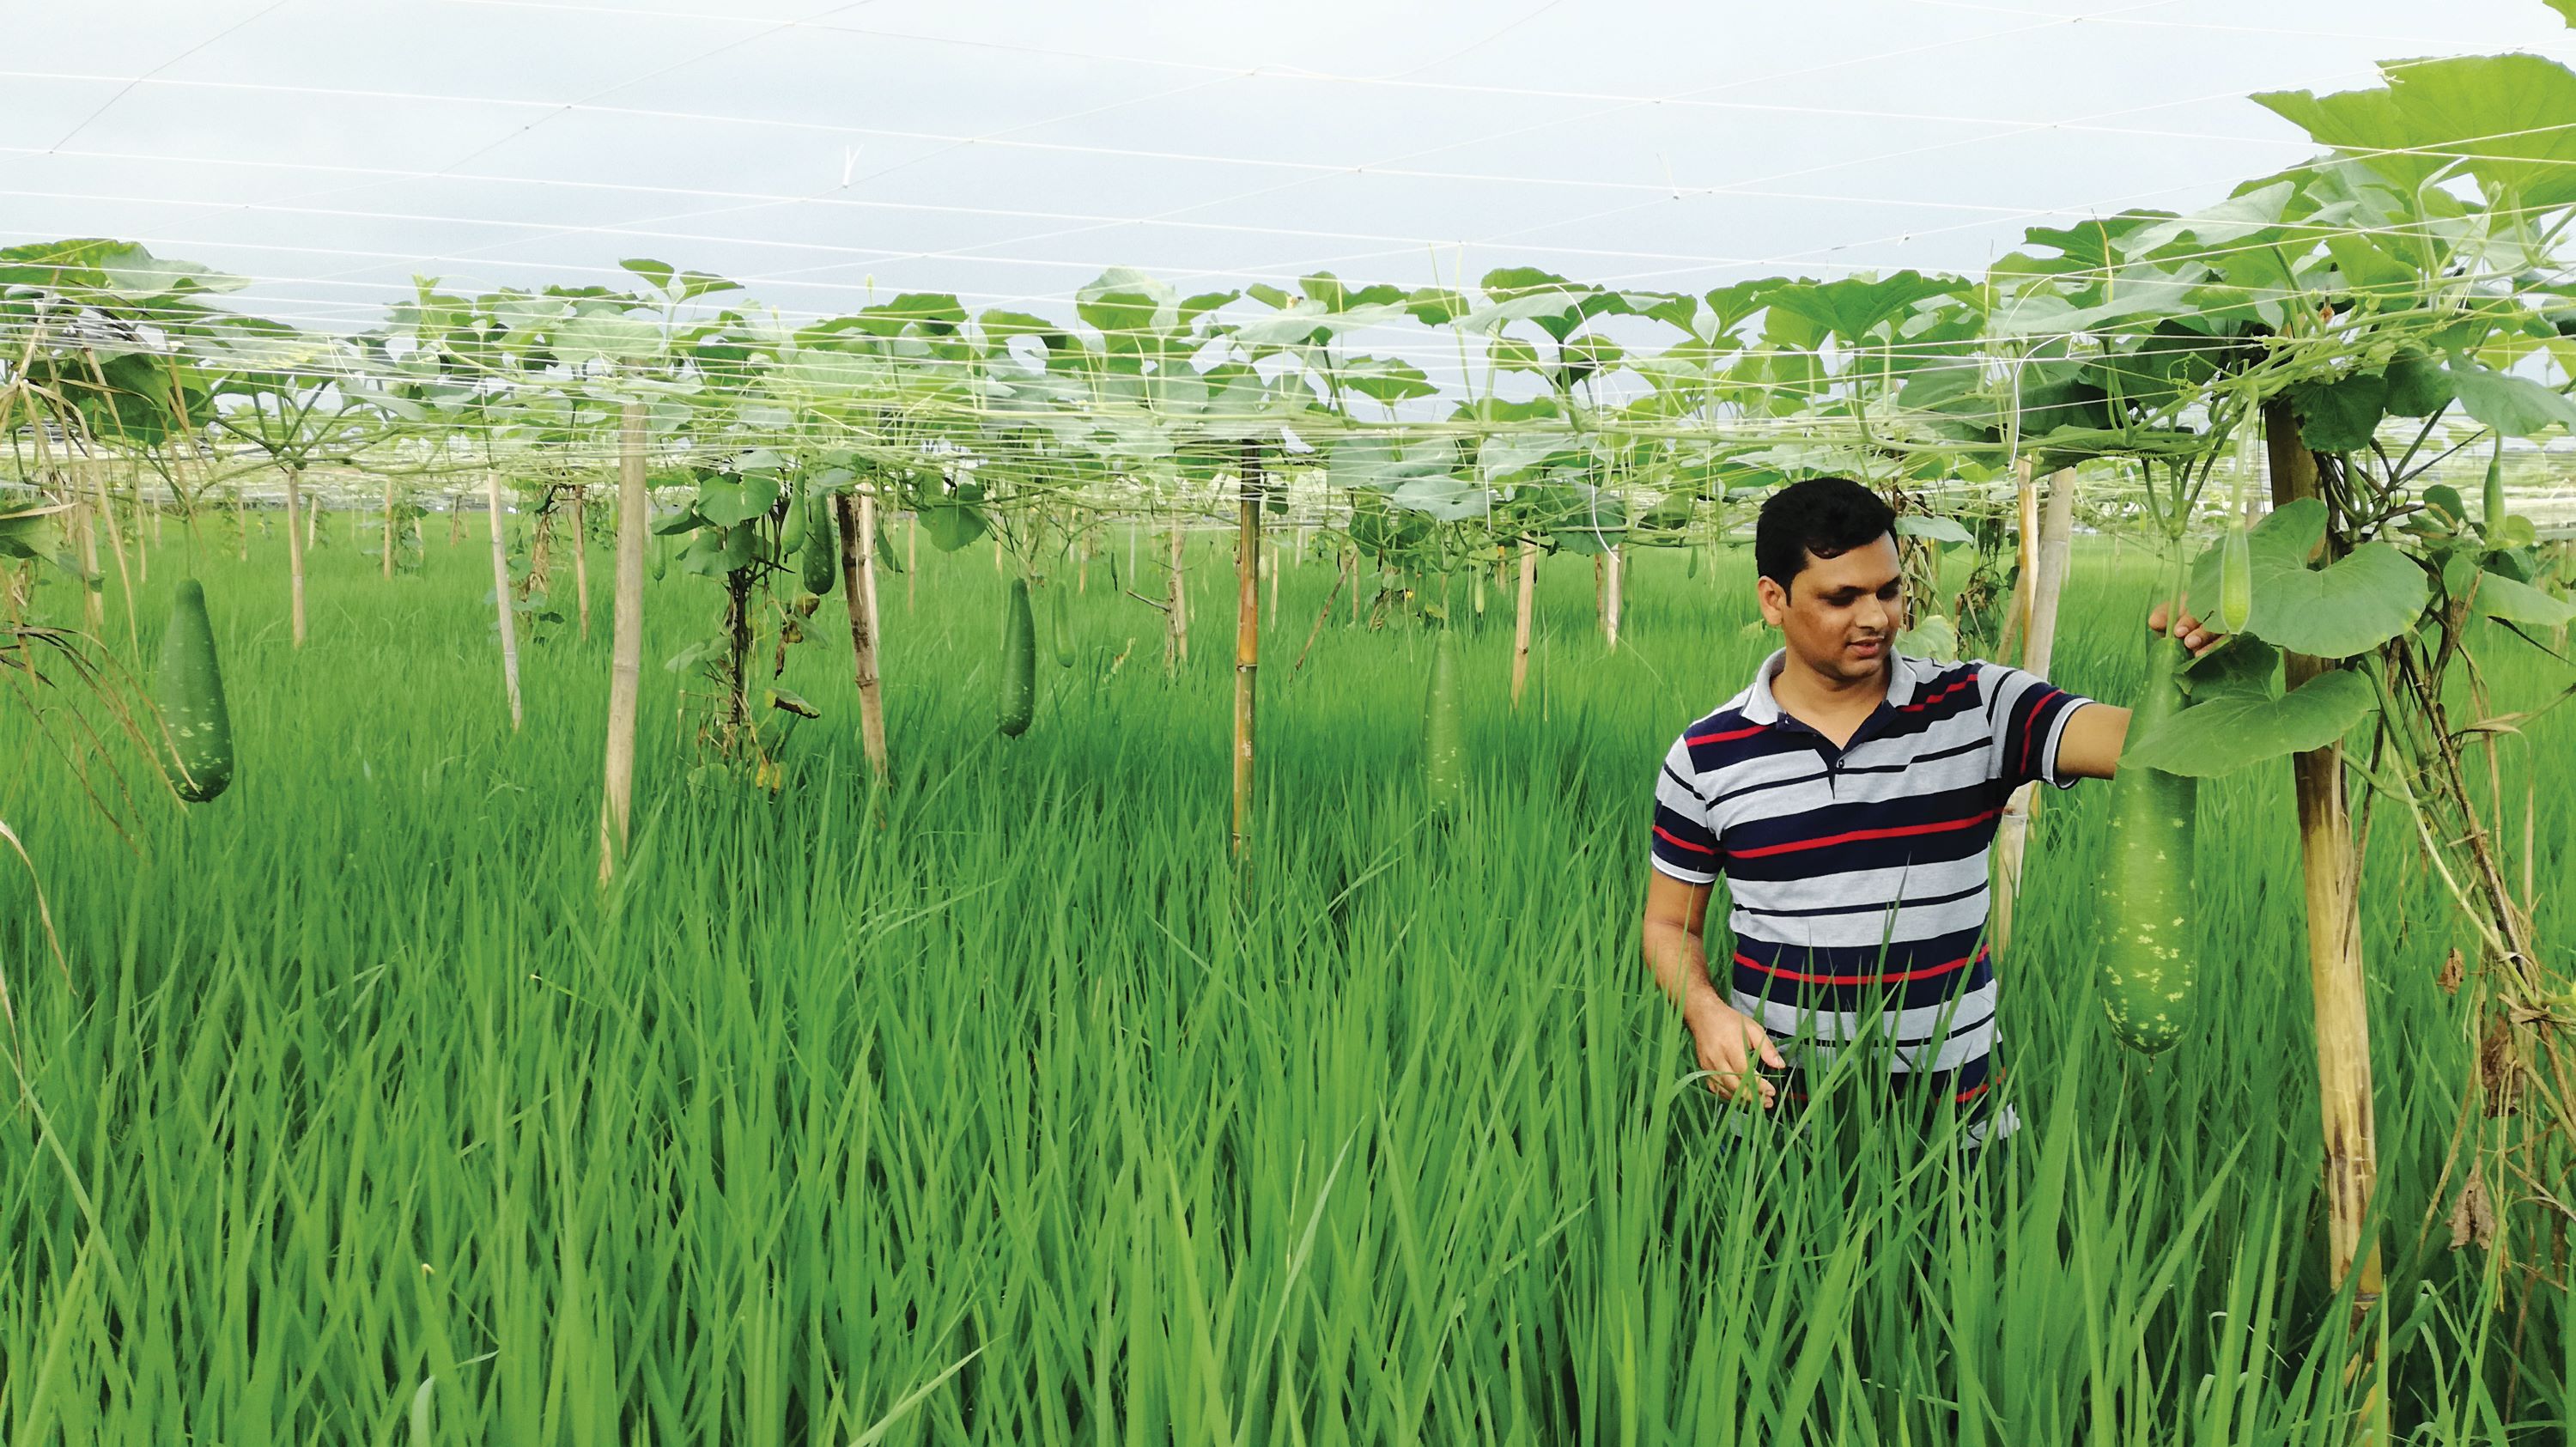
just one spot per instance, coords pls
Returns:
(1840, 615)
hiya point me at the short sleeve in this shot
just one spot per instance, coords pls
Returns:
(1685, 847)
(2027, 717)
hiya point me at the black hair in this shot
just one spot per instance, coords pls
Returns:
(1826, 516)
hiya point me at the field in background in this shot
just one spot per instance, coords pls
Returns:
(979, 1110)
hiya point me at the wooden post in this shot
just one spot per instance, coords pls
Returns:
(1247, 639)
(295, 544)
(859, 583)
(2332, 875)
(2046, 576)
(581, 540)
(626, 641)
(1521, 620)
(389, 527)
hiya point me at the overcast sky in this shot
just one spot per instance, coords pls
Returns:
(815, 149)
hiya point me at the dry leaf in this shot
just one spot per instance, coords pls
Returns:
(2499, 1068)
(2473, 1219)
(2449, 979)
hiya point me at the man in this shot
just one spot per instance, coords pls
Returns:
(1849, 796)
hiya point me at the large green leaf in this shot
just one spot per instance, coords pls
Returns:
(1932, 527)
(2514, 406)
(2240, 728)
(951, 526)
(2504, 598)
(1854, 306)
(1445, 498)
(1127, 306)
(727, 502)
(2350, 607)
(2341, 415)
(1386, 379)
(613, 336)
(2507, 120)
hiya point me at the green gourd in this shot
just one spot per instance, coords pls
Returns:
(821, 560)
(1061, 615)
(198, 746)
(1444, 733)
(2493, 501)
(1019, 661)
(2235, 579)
(2146, 961)
(792, 530)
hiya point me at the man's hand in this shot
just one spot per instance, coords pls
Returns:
(2194, 636)
(1728, 1042)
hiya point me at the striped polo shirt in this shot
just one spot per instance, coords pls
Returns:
(1858, 873)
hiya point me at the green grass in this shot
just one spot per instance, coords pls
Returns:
(984, 1114)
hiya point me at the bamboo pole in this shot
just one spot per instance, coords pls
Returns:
(1521, 619)
(859, 583)
(147, 529)
(1614, 587)
(1176, 637)
(1247, 640)
(295, 545)
(581, 545)
(2332, 875)
(93, 587)
(2026, 561)
(501, 597)
(389, 528)
(626, 642)
(116, 545)
(2046, 574)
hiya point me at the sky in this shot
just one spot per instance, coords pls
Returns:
(831, 152)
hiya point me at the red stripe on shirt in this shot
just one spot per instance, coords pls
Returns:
(1923, 704)
(1855, 836)
(2033, 722)
(1731, 734)
(1666, 835)
(1925, 973)
(1973, 1091)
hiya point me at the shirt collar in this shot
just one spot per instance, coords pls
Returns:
(1905, 676)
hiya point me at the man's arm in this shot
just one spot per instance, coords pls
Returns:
(2095, 733)
(1726, 1041)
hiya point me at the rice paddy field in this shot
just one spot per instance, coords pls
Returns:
(988, 1106)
